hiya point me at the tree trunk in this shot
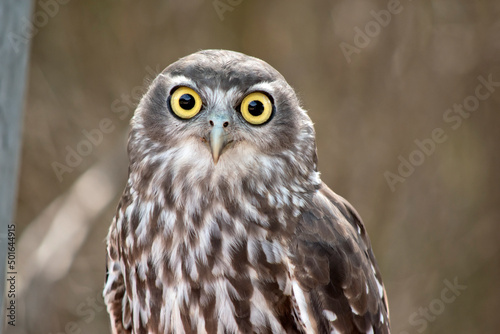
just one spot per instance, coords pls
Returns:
(15, 37)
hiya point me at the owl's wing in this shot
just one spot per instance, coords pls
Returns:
(115, 294)
(337, 284)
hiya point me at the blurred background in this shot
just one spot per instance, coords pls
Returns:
(405, 97)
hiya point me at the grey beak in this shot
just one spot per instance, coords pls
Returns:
(217, 142)
(220, 134)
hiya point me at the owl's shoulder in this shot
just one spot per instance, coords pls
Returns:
(334, 265)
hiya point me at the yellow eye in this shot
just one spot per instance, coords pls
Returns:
(256, 108)
(185, 102)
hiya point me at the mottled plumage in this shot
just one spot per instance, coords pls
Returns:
(224, 225)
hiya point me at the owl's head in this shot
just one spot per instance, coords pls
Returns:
(221, 111)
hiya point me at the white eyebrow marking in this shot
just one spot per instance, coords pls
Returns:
(180, 80)
(263, 86)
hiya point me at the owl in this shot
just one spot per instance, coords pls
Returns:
(224, 225)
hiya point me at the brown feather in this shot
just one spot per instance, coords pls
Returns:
(334, 265)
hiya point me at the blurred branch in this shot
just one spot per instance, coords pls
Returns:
(13, 64)
(51, 242)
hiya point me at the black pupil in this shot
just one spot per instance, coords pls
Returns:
(187, 102)
(255, 108)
